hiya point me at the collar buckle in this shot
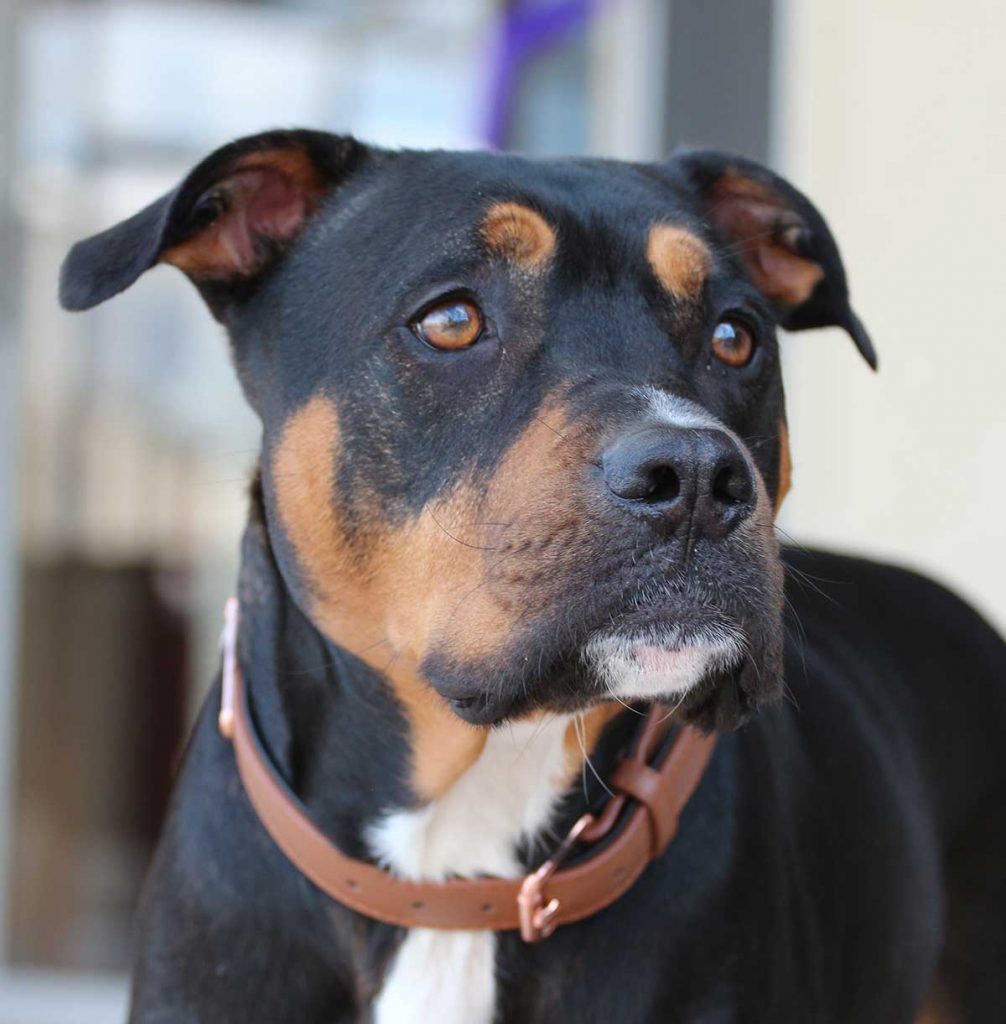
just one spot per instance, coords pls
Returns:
(536, 914)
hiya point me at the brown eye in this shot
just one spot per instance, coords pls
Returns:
(455, 324)
(732, 343)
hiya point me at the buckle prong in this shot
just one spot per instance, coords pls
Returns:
(538, 916)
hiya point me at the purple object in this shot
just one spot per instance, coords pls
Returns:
(526, 29)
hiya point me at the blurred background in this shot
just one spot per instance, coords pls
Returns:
(125, 448)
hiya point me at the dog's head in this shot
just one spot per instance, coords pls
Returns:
(524, 433)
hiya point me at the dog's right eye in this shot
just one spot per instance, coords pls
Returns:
(451, 325)
(732, 343)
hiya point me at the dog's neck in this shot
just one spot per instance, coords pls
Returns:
(337, 731)
(332, 725)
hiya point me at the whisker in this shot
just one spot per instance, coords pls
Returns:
(628, 707)
(582, 739)
(463, 543)
(545, 423)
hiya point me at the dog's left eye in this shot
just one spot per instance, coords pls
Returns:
(732, 343)
(451, 325)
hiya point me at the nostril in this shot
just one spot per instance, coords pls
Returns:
(732, 485)
(655, 469)
(648, 477)
(664, 484)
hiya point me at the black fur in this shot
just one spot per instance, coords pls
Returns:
(843, 848)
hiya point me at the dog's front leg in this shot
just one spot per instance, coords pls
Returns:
(230, 931)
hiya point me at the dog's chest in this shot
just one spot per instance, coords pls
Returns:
(508, 794)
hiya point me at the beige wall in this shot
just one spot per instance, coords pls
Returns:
(891, 115)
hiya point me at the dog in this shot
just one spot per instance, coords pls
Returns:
(523, 445)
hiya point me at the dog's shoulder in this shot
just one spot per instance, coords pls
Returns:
(911, 671)
(900, 606)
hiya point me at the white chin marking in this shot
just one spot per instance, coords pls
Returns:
(661, 663)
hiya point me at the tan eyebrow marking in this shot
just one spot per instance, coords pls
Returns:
(519, 234)
(680, 260)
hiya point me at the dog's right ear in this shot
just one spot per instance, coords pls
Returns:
(224, 225)
(779, 238)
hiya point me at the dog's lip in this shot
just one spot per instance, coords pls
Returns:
(671, 662)
(663, 658)
(655, 658)
(655, 648)
(669, 622)
(481, 709)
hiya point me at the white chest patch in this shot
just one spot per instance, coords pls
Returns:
(508, 794)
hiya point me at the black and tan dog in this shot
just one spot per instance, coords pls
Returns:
(523, 445)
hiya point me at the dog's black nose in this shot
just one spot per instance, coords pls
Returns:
(675, 474)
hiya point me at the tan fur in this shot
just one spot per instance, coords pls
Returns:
(443, 747)
(206, 255)
(754, 218)
(223, 248)
(442, 583)
(350, 588)
(519, 234)
(680, 261)
(938, 1009)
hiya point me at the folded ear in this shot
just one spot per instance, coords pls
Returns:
(224, 225)
(779, 238)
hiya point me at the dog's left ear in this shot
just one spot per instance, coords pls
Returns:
(226, 224)
(779, 237)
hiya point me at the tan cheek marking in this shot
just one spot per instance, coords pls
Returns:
(443, 747)
(679, 260)
(303, 477)
(448, 584)
(444, 583)
(351, 591)
(785, 466)
(519, 234)
(537, 495)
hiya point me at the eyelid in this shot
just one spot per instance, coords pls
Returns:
(746, 318)
(419, 302)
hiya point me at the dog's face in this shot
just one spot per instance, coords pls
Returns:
(524, 434)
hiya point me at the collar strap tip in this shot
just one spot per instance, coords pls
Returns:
(225, 724)
(228, 680)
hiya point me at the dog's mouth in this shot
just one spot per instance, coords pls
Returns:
(712, 661)
(662, 662)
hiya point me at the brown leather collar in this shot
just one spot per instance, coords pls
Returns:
(652, 796)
